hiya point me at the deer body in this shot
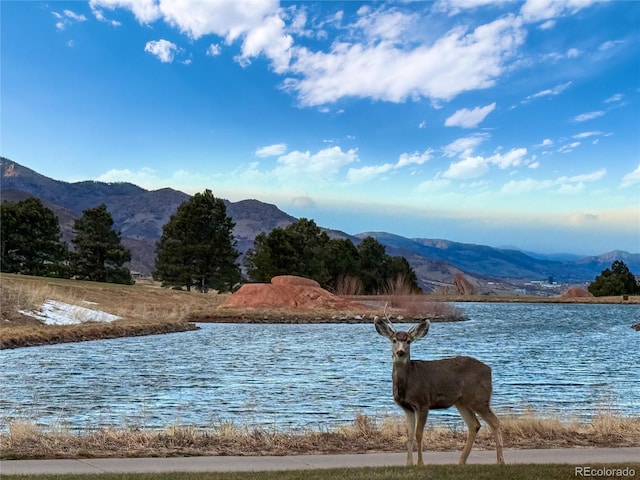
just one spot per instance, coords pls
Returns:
(449, 381)
(420, 385)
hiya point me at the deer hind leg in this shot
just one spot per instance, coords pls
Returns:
(473, 425)
(421, 420)
(410, 418)
(494, 424)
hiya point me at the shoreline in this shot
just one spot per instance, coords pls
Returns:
(53, 335)
(25, 440)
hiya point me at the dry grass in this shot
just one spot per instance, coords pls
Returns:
(365, 434)
(144, 309)
(147, 309)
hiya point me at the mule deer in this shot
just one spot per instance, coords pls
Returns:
(420, 385)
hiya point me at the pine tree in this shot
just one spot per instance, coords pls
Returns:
(197, 248)
(299, 249)
(99, 256)
(30, 240)
(617, 280)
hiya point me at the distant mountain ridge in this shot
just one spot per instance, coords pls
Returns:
(481, 260)
(140, 215)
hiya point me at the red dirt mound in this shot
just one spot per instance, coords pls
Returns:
(293, 280)
(288, 291)
(575, 292)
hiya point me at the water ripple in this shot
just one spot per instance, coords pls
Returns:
(567, 360)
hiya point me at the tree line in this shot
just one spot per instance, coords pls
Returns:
(197, 250)
(30, 244)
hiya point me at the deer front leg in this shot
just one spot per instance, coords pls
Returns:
(410, 418)
(421, 420)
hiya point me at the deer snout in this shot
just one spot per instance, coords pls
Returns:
(400, 353)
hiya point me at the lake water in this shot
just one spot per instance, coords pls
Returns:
(571, 361)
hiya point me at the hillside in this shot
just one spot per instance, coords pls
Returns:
(140, 214)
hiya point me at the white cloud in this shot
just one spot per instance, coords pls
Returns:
(547, 142)
(464, 146)
(513, 158)
(569, 147)
(67, 18)
(383, 24)
(319, 167)
(583, 117)
(74, 16)
(271, 150)
(454, 7)
(587, 134)
(557, 90)
(470, 167)
(588, 177)
(269, 38)
(466, 118)
(561, 185)
(384, 57)
(99, 14)
(368, 172)
(609, 44)
(256, 22)
(145, 11)
(163, 49)
(457, 62)
(541, 10)
(614, 98)
(214, 50)
(473, 167)
(415, 158)
(303, 202)
(144, 177)
(631, 178)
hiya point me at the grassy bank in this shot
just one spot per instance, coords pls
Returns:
(143, 309)
(24, 440)
(147, 309)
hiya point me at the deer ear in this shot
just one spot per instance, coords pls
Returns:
(383, 327)
(419, 330)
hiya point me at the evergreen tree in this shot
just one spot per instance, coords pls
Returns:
(617, 280)
(298, 249)
(30, 240)
(341, 261)
(99, 256)
(373, 265)
(197, 248)
(402, 275)
(303, 249)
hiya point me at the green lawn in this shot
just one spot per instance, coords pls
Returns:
(435, 472)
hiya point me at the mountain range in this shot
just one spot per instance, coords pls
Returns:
(140, 214)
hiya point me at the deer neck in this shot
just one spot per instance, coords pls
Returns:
(400, 376)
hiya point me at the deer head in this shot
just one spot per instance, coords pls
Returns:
(401, 341)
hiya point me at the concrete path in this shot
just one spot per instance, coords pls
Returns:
(575, 456)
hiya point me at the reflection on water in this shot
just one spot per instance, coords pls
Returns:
(568, 360)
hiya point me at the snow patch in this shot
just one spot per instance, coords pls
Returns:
(59, 313)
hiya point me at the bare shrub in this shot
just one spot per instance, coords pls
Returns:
(347, 285)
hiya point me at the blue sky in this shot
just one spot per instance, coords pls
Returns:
(499, 123)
